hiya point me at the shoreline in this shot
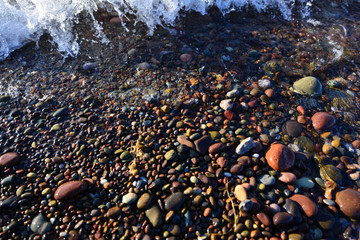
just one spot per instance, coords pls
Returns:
(141, 141)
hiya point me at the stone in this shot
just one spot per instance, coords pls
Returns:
(9, 159)
(216, 147)
(322, 121)
(144, 201)
(113, 212)
(40, 224)
(170, 155)
(280, 158)
(308, 86)
(70, 190)
(202, 144)
(129, 198)
(304, 182)
(325, 219)
(182, 140)
(240, 193)
(264, 219)
(307, 205)
(291, 207)
(60, 112)
(282, 219)
(154, 215)
(245, 146)
(287, 177)
(292, 128)
(349, 202)
(174, 201)
(246, 205)
(226, 104)
(267, 180)
(186, 57)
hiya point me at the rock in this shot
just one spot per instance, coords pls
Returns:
(282, 219)
(40, 224)
(154, 215)
(232, 93)
(126, 155)
(306, 204)
(245, 146)
(322, 121)
(325, 219)
(292, 128)
(280, 158)
(216, 147)
(246, 205)
(308, 86)
(60, 112)
(267, 180)
(226, 104)
(304, 182)
(9, 159)
(113, 212)
(144, 201)
(170, 155)
(236, 169)
(203, 143)
(240, 193)
(264, 219)
(287, 177)
(349, 202)
(264, 83)
(182, 140)
(70, 189)
(186, 57)
(291, 207)
(129, 198)
(174, 201)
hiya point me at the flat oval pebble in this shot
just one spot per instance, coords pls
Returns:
(349, 202)
(264, 219)
(182, 140)
(287, 177)
(129, 198)
(144, 201)
(9, 159)
(304, 182)
(292, 128)
(282, 219)
(322, 121)
(216, 147)
(240, 193)
(307, 205)
(202, 144)
(174, 201)
(308, 86)
(154, 215)
(280, 158)
(70, 189)
(113, 212)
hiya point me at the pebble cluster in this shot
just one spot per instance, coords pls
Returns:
(271, 157)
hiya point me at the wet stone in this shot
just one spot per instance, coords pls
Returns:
(8, 180)
(170, 155)
(287, 177)
(9, 159)
(282, 219)
(291, 207)
(349, 202)
(304, 182)
(154, 215)
(264, 219)
(113, 212)
(40, 224)
(267, 180)
(70, 189)
(203, 143)
(240, 193)
(245, 146)
(322, 121)
(144, 201)
(174, 201)
(182, 140)
(129, 198)
(308, 86)
(280, 158)
(216, 147)
(292, 128)
(325, 219)
(307, 205)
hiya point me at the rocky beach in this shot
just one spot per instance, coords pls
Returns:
(243, 126)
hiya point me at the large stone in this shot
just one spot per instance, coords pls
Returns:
(280, 158)
(349, 202)
(282, 219)
(308, 86)
(292, 128)
(182, 140)
(70, 189)
(325, 219)
(174, 201)
(216, 147)
(9, 159)
(40, 224)
(307, 205)
(113, 212)
(144, 201)
(154, 215)
(291, 207)
(226, 104)
(129, 198)
(240, 193)
(203, 143)
(322, 121)
(245, 146)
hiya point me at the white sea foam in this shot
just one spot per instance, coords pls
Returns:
(22, 21)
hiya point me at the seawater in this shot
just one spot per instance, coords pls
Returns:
(23, 21)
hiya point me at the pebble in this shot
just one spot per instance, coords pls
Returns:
(144, 201)
(9, 159)
(291, 208)
(306, 204)
(129, 198)
(202, 144)
(280, 158)
(267, 180)
(113, 212)
(226, 104)
(322, 121)
(246, 205)
(325, 219)
(174, 201)
(154, 215)
(292, 128)
(308, 86)
(304, 182)
(349, 202)
(182, 140)
(70, 190)
(240, 193)
(40, 224)
(170, 155)
(287, 177)
(245, 146)
(216, 147)
(282, 219)
(185, 57)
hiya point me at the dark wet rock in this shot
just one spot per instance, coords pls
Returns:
(307, 205)
(282, 219)
(174, 201)
(291, 207)
(70, 190)
(203, 143)
(292, 128)
(215, 148)
(40, 224)
(325, 219)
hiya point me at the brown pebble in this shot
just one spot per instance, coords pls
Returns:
(322, 121)
(70, 189)
(349, 202)
(9, 159)
(307, 205)
(280, 158)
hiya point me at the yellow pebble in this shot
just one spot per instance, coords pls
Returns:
(325, 135)
(327, 149)
(336, 143)
(223, 140)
